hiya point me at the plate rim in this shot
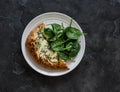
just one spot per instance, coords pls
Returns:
(22, 47)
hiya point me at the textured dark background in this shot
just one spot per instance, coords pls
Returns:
(99, 70)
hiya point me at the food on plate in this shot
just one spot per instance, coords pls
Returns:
(52, 47)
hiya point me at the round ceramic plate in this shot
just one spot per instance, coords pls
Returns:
(49, 18)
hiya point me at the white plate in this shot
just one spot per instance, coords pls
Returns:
(48, 18)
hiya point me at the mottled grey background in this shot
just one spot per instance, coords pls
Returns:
(99, 70)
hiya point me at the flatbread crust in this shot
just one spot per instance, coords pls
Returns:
(32, 48)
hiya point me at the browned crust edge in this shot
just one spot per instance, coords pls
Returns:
(30, 45)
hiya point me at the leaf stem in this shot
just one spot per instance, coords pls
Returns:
(71, 22)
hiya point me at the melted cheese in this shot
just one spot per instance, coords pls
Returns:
(43, 49)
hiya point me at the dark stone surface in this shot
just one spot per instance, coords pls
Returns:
(99, 70)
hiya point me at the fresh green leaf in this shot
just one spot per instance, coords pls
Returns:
(69, 46)
(73, 33)
(48, 32)
(60, 33)
(57, 48)
(63, 56)
(53, 39)
(75, 49)
(56, 27)
(57, 43)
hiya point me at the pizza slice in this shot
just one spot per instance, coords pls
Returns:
(39, 48)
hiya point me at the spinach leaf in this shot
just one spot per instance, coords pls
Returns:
(73, 33)
(69, 46)
(75, 49)
(58, 36)
(48, 32)
(60, 33)
(62, 55)
(57, 43)
(53, 39)
(56, 27)
(58, 48)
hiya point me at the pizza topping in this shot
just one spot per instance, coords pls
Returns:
(44, 48)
